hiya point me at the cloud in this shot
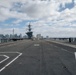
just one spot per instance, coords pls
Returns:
(45, 15)
(30, 9)
(54, 30)
(39, 9)
(22, 8)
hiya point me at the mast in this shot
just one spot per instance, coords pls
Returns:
(29, 28)
(29, 33)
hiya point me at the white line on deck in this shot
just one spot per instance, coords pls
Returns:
(70, 52)
(7, 57)
(64, 49)
(67, 51)
(36, 44)
(10, 61)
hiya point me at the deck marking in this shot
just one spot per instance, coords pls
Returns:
(7, 57)
(67, 51)
(10, 61)
(36, 44)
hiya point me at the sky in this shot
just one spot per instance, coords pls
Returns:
(53, 18)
